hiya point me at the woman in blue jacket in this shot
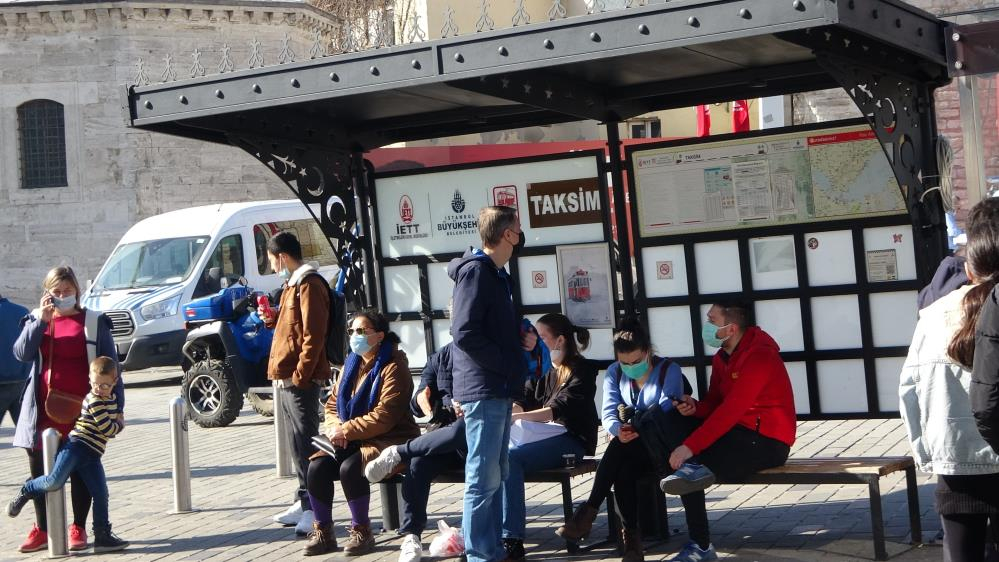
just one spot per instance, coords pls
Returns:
(633, 385)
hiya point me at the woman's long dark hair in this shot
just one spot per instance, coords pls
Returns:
(378, 322)
(983, 261)
(576, 338)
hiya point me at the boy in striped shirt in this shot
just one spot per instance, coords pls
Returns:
(99, 421)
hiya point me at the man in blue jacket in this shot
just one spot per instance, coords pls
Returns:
(488, 366)
(13, 373)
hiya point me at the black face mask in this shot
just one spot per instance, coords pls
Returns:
(520, 243)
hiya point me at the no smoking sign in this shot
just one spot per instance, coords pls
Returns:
(539, 279)
(664, 270)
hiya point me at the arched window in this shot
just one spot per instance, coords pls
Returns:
(41, 135)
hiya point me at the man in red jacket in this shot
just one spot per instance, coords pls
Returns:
(744, 424)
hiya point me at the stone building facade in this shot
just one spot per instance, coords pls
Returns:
(81, 55)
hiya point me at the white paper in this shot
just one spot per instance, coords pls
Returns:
(523, 432)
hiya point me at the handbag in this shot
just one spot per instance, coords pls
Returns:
(60, 406)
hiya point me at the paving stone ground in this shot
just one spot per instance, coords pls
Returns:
(235, 492)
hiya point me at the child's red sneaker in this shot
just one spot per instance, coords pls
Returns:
(37, 540)
(77, 537)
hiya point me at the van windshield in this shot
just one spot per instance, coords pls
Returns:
(151, 263)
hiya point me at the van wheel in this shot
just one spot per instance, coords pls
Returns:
(261, 405)
(212, 395)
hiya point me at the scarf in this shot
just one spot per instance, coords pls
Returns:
(349, 407)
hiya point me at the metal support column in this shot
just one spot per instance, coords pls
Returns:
(181, 456)
(623, 242)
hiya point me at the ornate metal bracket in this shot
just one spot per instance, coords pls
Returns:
(900, 112)
(324, 180)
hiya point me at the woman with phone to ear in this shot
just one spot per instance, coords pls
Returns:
(638, 381)
(53, 339)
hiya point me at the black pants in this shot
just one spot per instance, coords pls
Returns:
(78, 493)
(301, 414)
(734, 456)
(348, 469)
(622, 465)
(428, 455)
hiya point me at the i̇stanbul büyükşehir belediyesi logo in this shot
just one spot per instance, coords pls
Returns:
(457, 202)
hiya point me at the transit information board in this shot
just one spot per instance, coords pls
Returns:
(787, 178)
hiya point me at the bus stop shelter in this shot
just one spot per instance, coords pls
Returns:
(311, 122)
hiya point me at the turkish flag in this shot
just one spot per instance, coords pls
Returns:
(703, 120)
(740, 116)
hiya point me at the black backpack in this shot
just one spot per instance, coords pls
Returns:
(336, 327)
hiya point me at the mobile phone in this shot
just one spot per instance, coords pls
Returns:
(674, 398)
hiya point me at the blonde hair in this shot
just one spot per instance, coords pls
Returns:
(493, 222)
(57, 275)
(103, 366)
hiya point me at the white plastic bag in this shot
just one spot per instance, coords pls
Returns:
(448, 543)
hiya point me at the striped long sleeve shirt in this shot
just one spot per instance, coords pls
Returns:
(98, 422)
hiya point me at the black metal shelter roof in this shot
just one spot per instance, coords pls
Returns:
(608, 66)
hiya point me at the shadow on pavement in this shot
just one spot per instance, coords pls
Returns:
(196, 472)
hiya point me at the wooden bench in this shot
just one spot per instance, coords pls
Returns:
(851, 470)
(390, 490)
(829, 470)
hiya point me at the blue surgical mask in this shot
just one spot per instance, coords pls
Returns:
(65, 303)
(359, 344)
(635, 372)
(709, 335)
(284, 273)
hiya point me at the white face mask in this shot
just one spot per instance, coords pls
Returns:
(556, 355)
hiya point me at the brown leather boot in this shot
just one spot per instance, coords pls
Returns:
(360, 541)
(631, 544)
(578, 528)
(321, 540)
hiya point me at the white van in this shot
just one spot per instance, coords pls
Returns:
(167, 260)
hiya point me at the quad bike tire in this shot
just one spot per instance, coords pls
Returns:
(211, 393)
(261, 405)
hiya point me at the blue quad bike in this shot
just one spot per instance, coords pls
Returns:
(225, 358)
(225, 355)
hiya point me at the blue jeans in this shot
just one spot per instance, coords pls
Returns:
(540, 455)
(487, 431)
(428, 455)
(75, 456)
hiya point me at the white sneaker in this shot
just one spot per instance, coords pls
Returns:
(411, 550)
(382, 466)
(304, 526)
(291, 515)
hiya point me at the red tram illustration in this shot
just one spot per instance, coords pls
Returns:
(578, 286)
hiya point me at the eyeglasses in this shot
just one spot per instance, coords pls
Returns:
(359, 331)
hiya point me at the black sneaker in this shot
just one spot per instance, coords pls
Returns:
(106, 541)
(17, 504)
(514, 549)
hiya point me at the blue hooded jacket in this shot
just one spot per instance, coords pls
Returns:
(11, 370)
(487, 359)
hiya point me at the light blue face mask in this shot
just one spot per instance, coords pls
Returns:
(65, 303)
(359, 344)
(709, 335)
(284, 274)
(635, 372)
